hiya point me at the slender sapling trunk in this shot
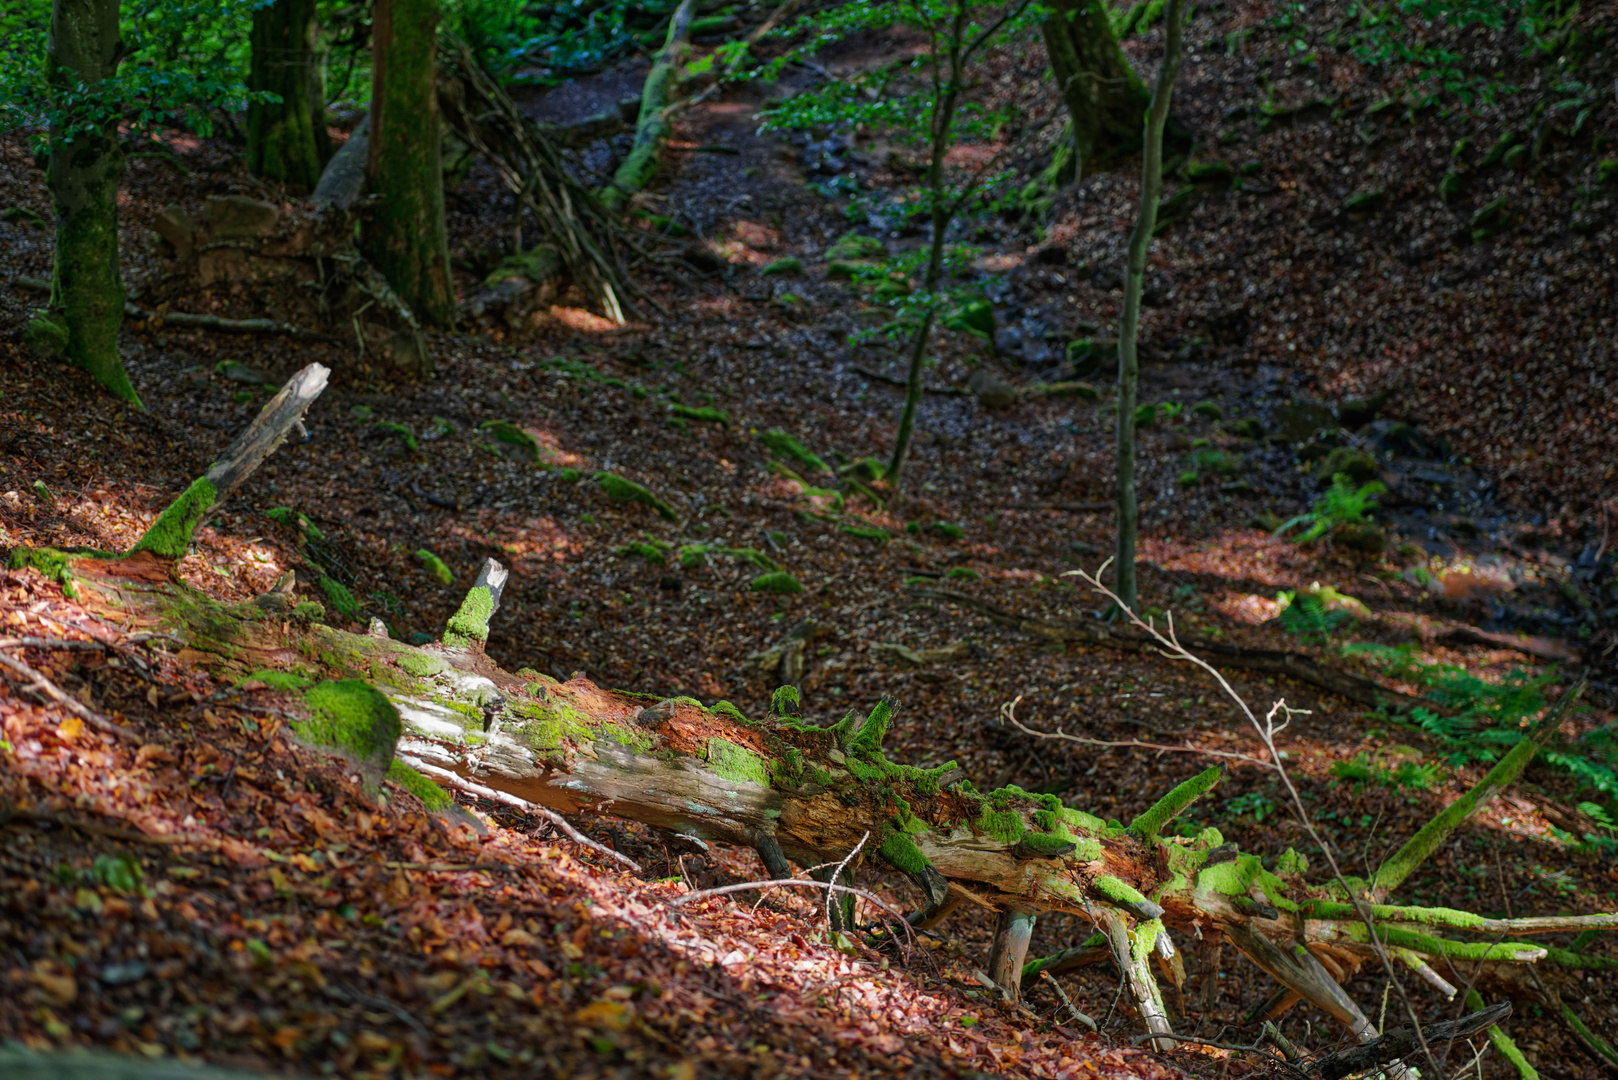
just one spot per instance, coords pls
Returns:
(1151, 188)
(286, 140)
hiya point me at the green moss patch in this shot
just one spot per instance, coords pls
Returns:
(170, 534)
(621, 490)
(509, 434)
(470, 624)
(340, 597)
(702, 415)
(431, 795)
(352, 716)
(310, 611)
(435, 566)
(277, 680)
(735, 763)
(419, 664)
(786, 445)
(777, 582)
(902, 854)
(49, 562)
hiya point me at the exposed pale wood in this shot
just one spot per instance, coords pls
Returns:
(268, 430)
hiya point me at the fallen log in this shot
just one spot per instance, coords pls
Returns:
(652, 128)
(1305, 669)
(1401, 1042)
(818, 796)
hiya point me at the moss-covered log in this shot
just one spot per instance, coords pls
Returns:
(799, 792)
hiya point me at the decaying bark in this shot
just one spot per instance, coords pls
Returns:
(1400, 1042)
(810, 795)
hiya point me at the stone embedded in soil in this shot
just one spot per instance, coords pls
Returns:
(1298, 421)
(993, 391)
(1357, 465)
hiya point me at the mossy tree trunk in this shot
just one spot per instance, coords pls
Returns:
(1105, 98)
(84, 170)
(404, 234)
(1151, 188)
(286, 140)
(652, 126)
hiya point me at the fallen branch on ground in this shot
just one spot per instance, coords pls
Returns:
(652, 129)
(1305, 669)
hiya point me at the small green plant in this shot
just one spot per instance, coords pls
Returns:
(778, 581)
(1393, 767)
(1338, 506)
(1254, 804)
(1309, 616)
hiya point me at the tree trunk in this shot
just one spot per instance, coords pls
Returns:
(404, 234)
(286, 141)
(1104, 96)
(652, 128)
(85, 167)
(1151, 188)
(947, 94)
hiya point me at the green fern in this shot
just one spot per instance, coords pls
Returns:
(1306, 617)
(1339, 505)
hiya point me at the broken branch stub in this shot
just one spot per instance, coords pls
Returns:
(170, 534)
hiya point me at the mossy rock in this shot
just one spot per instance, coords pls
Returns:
(355, 718)
(778, 581)
(854, 246)
(788, 265)
(1357, 465)
(435, 566)
(509, 434)
(620, 490)
(844, 270)
(45, 337)
(974, 317)
(1208, 411)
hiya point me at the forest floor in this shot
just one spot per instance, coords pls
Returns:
(310, 931)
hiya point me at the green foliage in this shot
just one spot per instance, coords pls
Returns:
(405, 435)
(1402, 37)
(778, 581)
(1308, 617)
(1401, 768)
(783, 444)
(1481, 720)
(1254, 804)
(1339, 505)
(182, 61)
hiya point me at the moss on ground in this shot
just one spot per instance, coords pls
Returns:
(621, 490)
(435, 566)
(170, 534)
(340, 597)
(52, 563)
(784, 444)
(778, 581)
